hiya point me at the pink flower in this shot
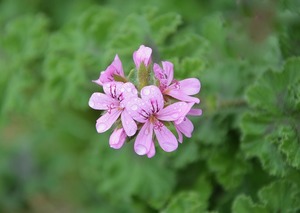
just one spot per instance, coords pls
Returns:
(142, 55)
(186, 127)
(117, 138)
(115, 68)
(117, 95)
(180, 90)
(149, 110)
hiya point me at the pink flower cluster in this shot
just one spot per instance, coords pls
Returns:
(145, 114)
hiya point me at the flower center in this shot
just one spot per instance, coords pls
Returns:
(154, 105)
(152, 119)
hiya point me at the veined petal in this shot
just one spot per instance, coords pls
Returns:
(195, 112)
(128, 123)
(106, 75)
(118, 66)
(107, 120)
(158, 72)
(153, 96)
(190, 86)
(186, 127)
(102, 101)
(160, 76)
(113, 89)
(138, 109)
(179, 95)
(129, 92)
(168, 70)
(142, 144)
(165, 138)
(117, 138)
(115, 68)
(173, 112)
(151, 152)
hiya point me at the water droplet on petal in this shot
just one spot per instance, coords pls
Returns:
(146, 91)
(122, 89)
(140, 149)
(175, 115)
(101, 127)
(134, 107)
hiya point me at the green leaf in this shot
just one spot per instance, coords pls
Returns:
(121, 175)
(97, 23)
(22, 46)
(281, 196)
(287, 140)
(187, 153)
(270, 128)
(185, 202)
(162, 26)
(255, 144)
(229, 167)
(244, 204)
(185, 46)
(213, 29)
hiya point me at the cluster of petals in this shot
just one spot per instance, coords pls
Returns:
(146, 114)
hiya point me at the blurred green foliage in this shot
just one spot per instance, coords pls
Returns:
(244, 155)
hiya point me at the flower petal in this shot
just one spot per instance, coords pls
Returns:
(168, 70)
(153, 96)
(173, 112)
(142, 144)
(113, 89)
(159, 74)
(128, 123)
(186, 127)
(195, 112)
(117, 138)
(138, 109)
(101, 101)
(151, 152)
(182, 117)
(107, 120)
(180, 137)
(129, 92)
(115, 68)
(142, 55)
(190, 86)
(165, 138)
(118, 66)
(179, 95)
(165, 75)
